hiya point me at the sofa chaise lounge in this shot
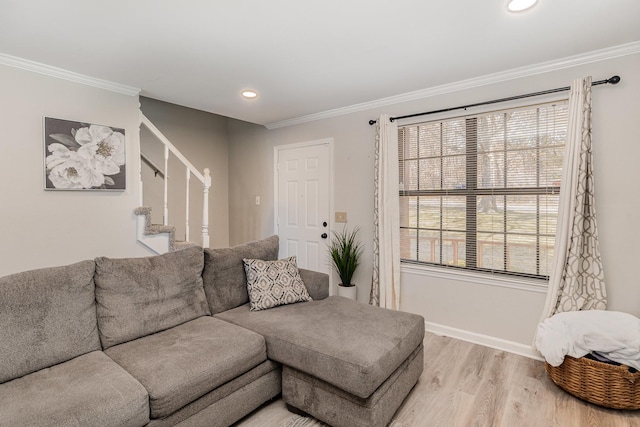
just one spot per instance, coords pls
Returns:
(171, 340)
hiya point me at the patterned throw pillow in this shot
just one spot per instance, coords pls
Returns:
(274, 283)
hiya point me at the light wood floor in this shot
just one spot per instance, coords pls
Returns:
(464, 384)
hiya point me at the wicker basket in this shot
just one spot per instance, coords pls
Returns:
(597, 382)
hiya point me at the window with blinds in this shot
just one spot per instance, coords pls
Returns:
(481, 192)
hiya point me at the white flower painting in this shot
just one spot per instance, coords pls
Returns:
(80, 156)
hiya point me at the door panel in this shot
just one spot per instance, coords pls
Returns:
(302, 217)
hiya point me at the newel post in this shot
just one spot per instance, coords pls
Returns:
(205, 208)
(166, 186)
(140, 184)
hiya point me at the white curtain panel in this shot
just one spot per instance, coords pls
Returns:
(576, 280)
(385, 286)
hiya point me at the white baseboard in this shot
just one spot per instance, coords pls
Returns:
(485, 340)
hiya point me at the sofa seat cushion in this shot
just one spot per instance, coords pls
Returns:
(181, 364)
(229, 402)
(351, 345)
(90, 390)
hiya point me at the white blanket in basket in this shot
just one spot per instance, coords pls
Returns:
(612, 334)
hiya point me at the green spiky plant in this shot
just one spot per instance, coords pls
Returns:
(345, 252)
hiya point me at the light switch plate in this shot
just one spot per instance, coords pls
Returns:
(341, 217)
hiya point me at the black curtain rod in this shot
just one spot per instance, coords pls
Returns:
(612, 80)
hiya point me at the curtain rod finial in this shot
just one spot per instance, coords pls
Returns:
(614, 80)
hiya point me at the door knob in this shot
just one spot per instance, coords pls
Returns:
(323, 235)
(324, 224)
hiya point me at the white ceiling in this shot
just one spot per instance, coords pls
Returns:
(303, 56)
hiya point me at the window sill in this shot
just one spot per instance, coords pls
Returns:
(519, 283)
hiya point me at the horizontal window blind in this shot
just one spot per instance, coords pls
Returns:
(481, 191)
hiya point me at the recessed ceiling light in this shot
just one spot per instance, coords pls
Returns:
(249, 94)
(520, 5)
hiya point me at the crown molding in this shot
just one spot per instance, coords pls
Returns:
(515, 73)
(59, 73)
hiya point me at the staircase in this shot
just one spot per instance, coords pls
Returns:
(161, 238)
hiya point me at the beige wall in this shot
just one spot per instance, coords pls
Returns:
(202, 139)
(505, 313)
(43, 228)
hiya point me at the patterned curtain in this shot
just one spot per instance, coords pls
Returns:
(576, 280)
(385, 285)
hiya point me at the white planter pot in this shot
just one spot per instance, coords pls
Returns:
(350, 292)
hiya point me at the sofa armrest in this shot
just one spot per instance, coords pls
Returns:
(317, 283)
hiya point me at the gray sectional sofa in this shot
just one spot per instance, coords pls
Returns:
(171, 340)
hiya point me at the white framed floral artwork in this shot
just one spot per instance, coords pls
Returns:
(83, 156)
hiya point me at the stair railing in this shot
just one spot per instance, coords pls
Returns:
(204, 178)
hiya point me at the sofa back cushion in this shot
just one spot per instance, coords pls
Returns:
(225, 282)
(140, 296)
(47, 316)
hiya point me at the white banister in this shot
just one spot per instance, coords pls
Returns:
(186, 223)
(145, 121)
(204, 178)
(205, 209)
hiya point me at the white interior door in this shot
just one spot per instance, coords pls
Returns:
(303, 180)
